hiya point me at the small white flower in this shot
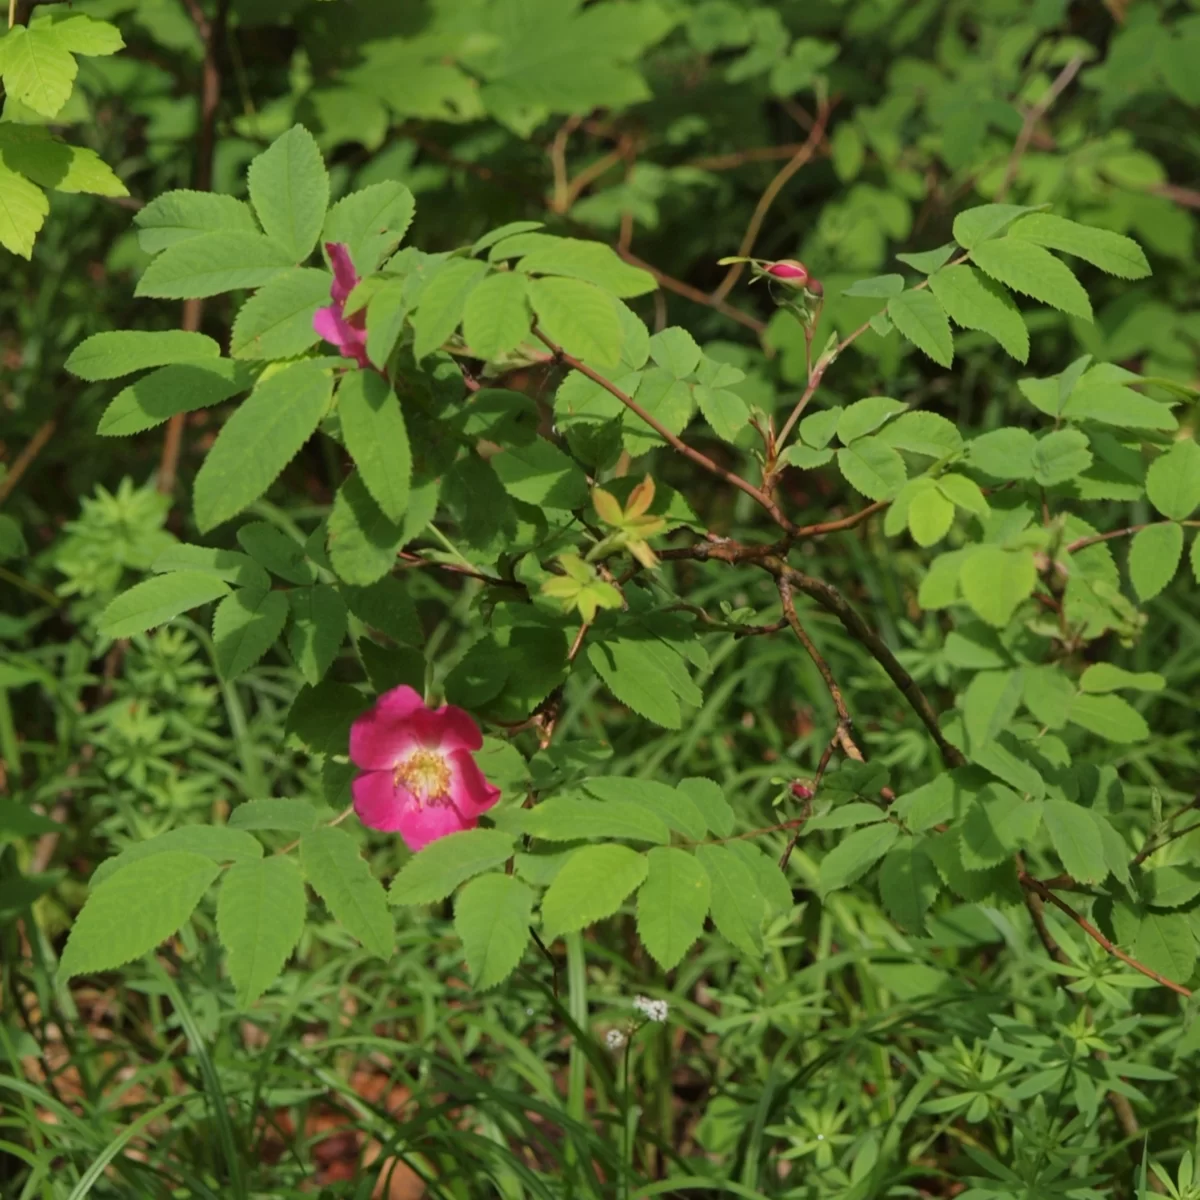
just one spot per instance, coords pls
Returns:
(652, 1010)
(614, 1039)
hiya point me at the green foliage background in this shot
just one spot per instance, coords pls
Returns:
(912, 1010)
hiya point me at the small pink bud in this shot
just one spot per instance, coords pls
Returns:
(802, 791)
(788, 269)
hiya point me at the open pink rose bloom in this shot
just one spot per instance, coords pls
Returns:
(348, 334)
(418, 776)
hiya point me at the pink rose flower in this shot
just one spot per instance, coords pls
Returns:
(418, 776)
(348, 334)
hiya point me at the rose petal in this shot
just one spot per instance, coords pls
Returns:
(385, 733)
(379, 802)
(345, 277)
(422, 824)
(456, 729)
(469, 789)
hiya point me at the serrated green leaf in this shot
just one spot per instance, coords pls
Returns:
(922, 433)
(176, 388)
(996, 825)
(927, 261)
(908, 884)
(182, 214)
(442, 302)
(540, 473)
(1032, 271)
(709, 798)
(260, 915)
(975, 302)
(878, 287)
(1165, 943)
(318, 629)
(817, 429)
(963, 493)
(371, 222)
(1154, 557)
(37, 68)
(1077, 840)
(211, 263)
(52, 163)
(986, 221)
(84, 35)
(262, 436)
(1171, 887)
(377, 438)
(1110, 717)
(855, 855)
(492, 919)
(1111, 252)
(921, 318)
(321, 716)
(277, 321)
(285, 814)
(362, 541)
(872, 467)
(23, 209)
(593, 262)
(567, 819)
(988, 705)
(672, 904)
(289, 189)
(496, 317)
(1060, 456)
(1097, 400)
(673, 807)
(219, 843)
(866, 416)
(579, 317)
(996, 581)
(137, 907)
(1173, 480)
(592, 884)
(153, 601)
(1104, 677)
(738, 906)
(277, 551)
(930, 516)
(111, 355)
(1004, 453)
(246, 625)
(341, 877)
(435, 871)
(229, 565)
(726, 412)
(387, 606)
(635, 680)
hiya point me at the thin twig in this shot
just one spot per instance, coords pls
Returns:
(1036, 885)
(785, 173)
(671, 284)
(833, 601)
(1032, 117)
(701, 460)
(212, 33)
(726, 162)
(845, 721)
(24, 460)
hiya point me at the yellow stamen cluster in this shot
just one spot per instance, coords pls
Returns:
(426, 774)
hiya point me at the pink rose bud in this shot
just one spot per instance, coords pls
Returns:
(788, 269)
(802, 791)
